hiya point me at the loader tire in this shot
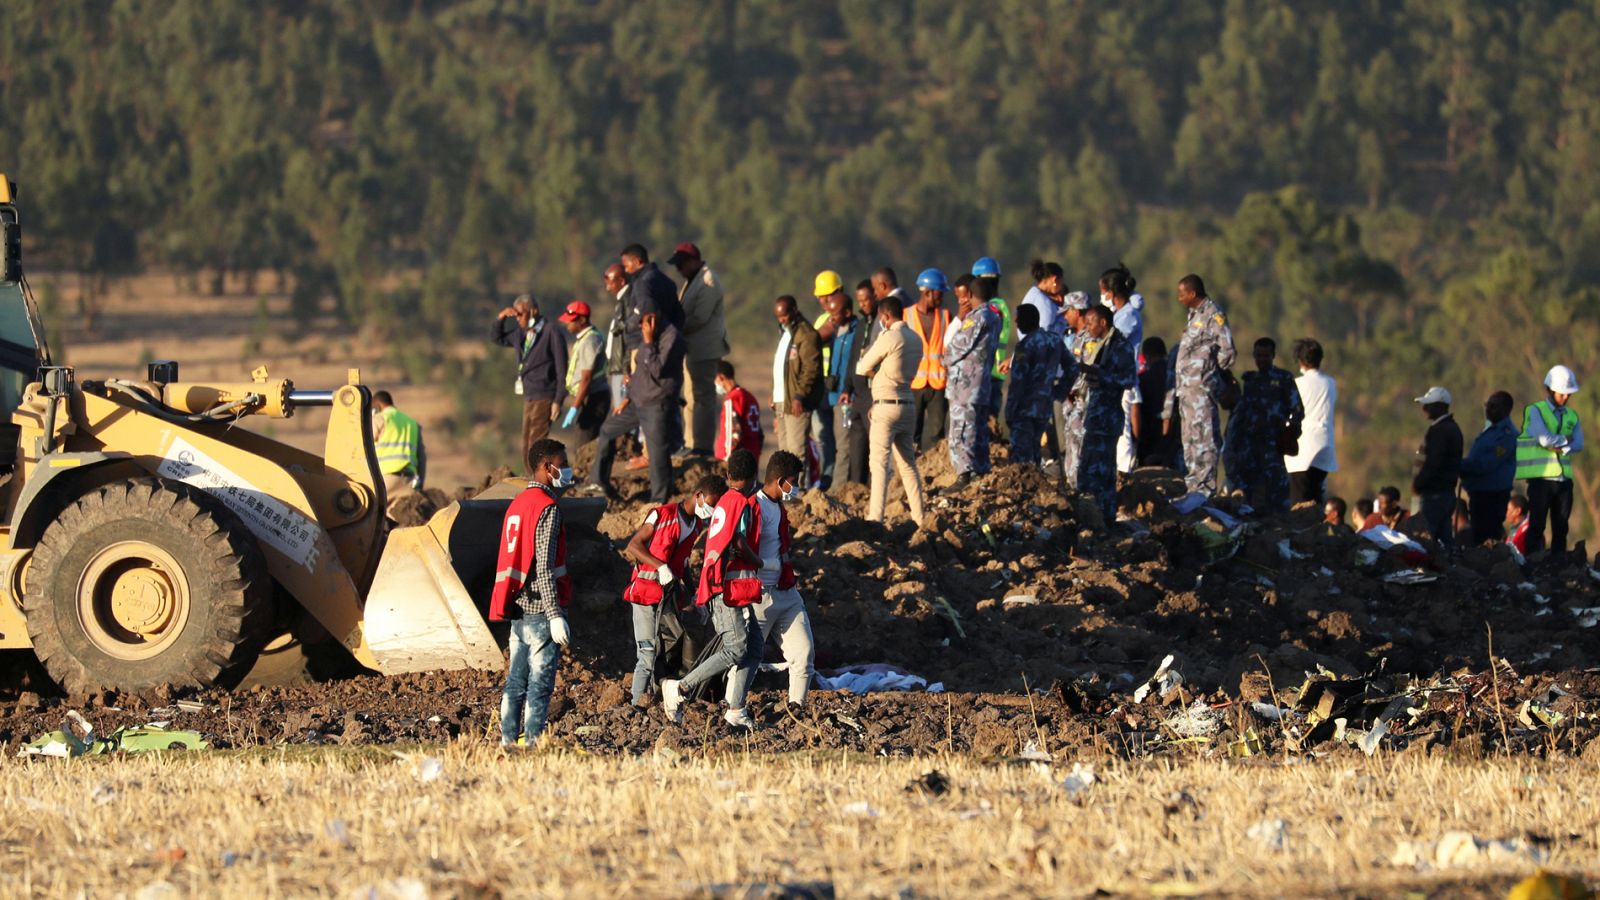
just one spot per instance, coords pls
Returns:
(145, 583)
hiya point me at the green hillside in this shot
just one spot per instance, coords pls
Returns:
(1413, 182)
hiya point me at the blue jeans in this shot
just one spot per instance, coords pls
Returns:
(822, 427)
(646, 619)
(530, 679)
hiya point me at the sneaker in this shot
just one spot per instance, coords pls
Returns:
(739, 718)
(687, 452)
(672, 700)
(638, 463)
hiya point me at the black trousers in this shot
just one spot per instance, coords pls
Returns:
(592, 415)
(1487, 510)
(932, 409)
(852, 464)
(656, 423)
(1553, 500)
(1307, 485)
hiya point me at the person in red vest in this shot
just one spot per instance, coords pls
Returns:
(739, 423)
(782, 609)
(1517, 522)
(660, 554)
(730, 584)
(531, 591)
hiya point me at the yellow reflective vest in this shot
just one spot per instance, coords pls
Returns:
(399, 442)
(1534, 461)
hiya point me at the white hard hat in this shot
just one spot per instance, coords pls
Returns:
(1561, 380)
(1435, 394)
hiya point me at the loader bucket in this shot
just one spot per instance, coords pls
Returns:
(419, 614)
(427, 607)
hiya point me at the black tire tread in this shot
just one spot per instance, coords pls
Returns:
(232, 585)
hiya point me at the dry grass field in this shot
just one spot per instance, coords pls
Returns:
(465, 821)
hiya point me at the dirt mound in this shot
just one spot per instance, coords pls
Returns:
(1015, 580)
(417, 508)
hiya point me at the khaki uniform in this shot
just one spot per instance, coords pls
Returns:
(892, 362)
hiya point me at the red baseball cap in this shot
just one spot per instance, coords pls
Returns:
(575, 310)
(682, 252)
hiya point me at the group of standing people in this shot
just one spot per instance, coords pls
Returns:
(631, 378)
(870, 383)
(1539, 453)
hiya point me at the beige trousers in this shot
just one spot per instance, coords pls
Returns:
(893, 428)
(793, 432)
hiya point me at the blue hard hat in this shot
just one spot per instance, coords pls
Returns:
(932, 280)
(986, 267)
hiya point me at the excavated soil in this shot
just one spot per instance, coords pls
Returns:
(1286, 632)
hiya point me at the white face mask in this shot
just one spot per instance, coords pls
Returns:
(563, 478)
(703, 510)
(1105, 299)
(722, 390)
(790, 494)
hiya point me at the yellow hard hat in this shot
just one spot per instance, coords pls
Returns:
(1545, 886)
(828, 282)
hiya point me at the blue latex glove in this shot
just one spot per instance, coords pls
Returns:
(571, 416)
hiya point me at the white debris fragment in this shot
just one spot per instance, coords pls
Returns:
(429, 769)
(1272, 834)
(1586, 616)
(1198, 720)
(1078, 780)
(860, 808)
(1164, 681)
(1268, 711)
(1032, 753)
(1456, 849)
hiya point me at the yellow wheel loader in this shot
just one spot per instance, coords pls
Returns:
(149, 538)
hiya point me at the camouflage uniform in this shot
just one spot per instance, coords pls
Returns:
(969, 350)
(1206, 349)
(1102, 371)
(1269, 406)
(1033, 368)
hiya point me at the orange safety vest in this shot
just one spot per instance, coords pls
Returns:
(931, 371)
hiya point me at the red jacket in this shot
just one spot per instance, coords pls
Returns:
(668, 544)
(723, 575)
(1519, 538)
(518, 544)
(739, 424)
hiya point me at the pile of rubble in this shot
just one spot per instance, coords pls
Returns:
(1180, 626)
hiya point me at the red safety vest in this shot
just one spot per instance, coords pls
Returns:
(518, 545)
(668, 544)
(739, 424)
(722, 575)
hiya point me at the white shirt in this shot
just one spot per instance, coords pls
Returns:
(767, 542)
(684, 534)
(1318, 392)
(778, 388)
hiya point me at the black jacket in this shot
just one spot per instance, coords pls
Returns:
(543, 368)
(658, 376)
(653, 291)
(867, 330)
(1439, 458)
